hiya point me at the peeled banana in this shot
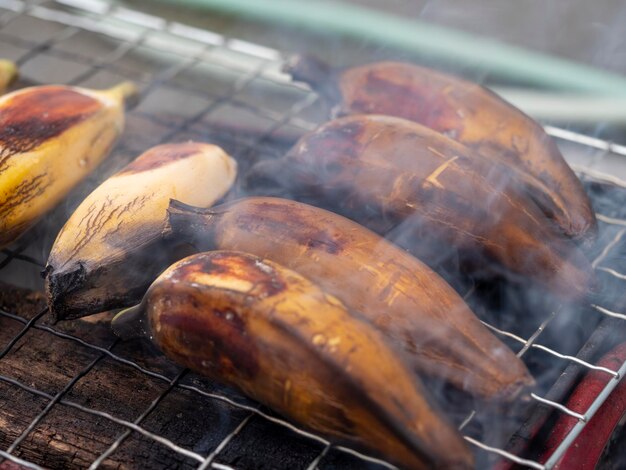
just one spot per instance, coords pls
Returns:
(266, 330)
(8, 72)
(468, 113)
(111, 249)
(414, 308)
(433, 194)
(51, 137)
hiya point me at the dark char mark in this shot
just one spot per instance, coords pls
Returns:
(31, 118)
(381, 96)
(290, 219)
(216, 343)
(161, 155)
(23, 193)
(267, 282)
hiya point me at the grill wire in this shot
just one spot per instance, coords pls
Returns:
(55, 23)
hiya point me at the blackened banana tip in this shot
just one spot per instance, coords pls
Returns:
(317, 73)
(60, 283)
(307, 68)
(176, 205)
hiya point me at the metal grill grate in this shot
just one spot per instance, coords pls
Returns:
(193, 81)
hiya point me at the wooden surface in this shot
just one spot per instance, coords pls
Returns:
(69, 438)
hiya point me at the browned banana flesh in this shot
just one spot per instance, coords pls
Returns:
(375, 168)
(468, 113)
(416, 310)
(266, 330)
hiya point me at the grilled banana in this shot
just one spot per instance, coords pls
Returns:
(262, 328)
(435, 193)
(51, 137)
(8, 72)
(402, 297)
(471, 115)
(110, 249)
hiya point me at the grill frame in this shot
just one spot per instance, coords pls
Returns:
(133, 30)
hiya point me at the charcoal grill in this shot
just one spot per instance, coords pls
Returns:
(197, 84)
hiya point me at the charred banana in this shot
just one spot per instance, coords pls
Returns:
(111, 249)
(271, 333)
(468, 113)
(409, 303)
(435, 196)
(51, 137)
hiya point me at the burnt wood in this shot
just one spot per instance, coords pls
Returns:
(67, 438)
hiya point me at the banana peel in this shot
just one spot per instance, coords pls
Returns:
(404, 299)
(111, 249)
(436, 195)
(266, 330)
(468, 113)
(51, 138)
(8, 73)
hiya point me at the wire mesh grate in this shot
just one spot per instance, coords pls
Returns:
(236, 88)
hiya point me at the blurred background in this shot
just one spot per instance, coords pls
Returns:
(561, 61)
(592, 32)
(518, 46)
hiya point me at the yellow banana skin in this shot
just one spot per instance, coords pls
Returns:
(111, 247)
(266, 330)
(8, 72)
(51, 138)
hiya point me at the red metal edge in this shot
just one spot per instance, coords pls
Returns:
(8, 465)
(585, 451)
(527, 433)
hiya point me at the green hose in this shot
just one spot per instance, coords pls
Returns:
(426, 39)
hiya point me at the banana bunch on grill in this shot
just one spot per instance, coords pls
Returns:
(268, 331)
(51, 138)
(253, 324)
(111, 248)
(8, 72)
(309, 312)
